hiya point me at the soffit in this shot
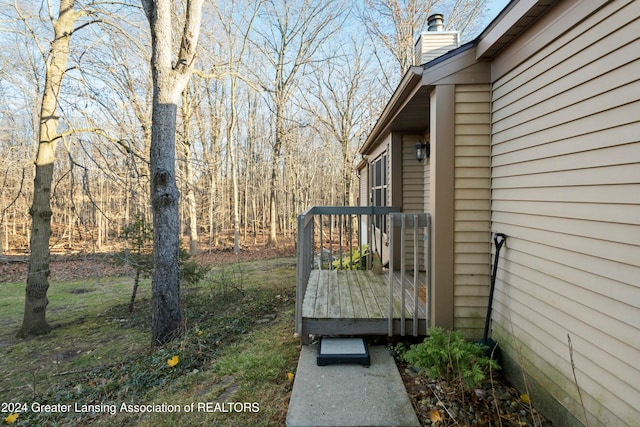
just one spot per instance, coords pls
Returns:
(512, 21)
(414, 116)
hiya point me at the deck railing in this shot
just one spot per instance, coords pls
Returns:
(334, 238)
(410, 225)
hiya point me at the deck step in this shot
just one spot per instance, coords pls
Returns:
(333, 351)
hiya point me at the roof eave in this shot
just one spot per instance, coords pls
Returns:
(412, 77)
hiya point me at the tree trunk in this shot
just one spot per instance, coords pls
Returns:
(187, 113)
(233, 146)
(35, 306)
(165, 197)
(168, 83)
(34, 321)
(275, 161)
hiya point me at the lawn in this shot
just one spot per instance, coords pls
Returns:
(233, 367)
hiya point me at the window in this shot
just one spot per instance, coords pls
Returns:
(379, 186)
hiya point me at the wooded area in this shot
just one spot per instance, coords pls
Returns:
(283, 91)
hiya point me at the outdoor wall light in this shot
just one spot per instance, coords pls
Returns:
(423, 150)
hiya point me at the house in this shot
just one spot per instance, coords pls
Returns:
(532, 130)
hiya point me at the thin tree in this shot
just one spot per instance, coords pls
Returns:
(34, 321)
(289, 42)
(169, 80)
(237, 37)
(338, 102)
(189, 104)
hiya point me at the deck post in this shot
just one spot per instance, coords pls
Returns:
(416, 271)
(391, 268)
(403, 263)
(428, 274)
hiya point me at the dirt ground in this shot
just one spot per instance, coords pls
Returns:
(14, 268)
(438, 403)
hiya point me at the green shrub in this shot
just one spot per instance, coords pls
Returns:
(191, 272)
(447, 355)
(353, 260)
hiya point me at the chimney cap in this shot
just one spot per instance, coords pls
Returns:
(435, 22)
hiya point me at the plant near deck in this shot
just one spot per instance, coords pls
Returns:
(356, 260)
(447, 355)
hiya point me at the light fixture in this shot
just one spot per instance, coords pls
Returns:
(423, 150)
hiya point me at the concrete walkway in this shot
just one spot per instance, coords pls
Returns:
(349, 395)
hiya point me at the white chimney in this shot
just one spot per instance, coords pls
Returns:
(435, 42)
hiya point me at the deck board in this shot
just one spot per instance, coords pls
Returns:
(309, 301)
(346, 309)
(333, 298)
(371, 291)
(355, 294)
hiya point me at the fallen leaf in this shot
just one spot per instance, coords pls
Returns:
(173, 361)
(11, 419)
(290, 376)
(524, 398)
(435, 416)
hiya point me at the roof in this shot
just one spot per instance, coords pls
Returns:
(408, 109)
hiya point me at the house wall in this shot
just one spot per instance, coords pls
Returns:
(412, 176)
(566, 192)
(377, 242)
(459, 203)
(426, 184)
(472, 225)
(412, 193)
(442, 135)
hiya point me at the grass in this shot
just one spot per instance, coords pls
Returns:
(234, 358)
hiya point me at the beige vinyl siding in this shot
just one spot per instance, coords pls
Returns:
(412, 192)
(472, 234)
(426, 185)
(363, 190)
(412, 176)
(566, 191)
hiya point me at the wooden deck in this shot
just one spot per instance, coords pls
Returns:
(350, 302)
(336, 301)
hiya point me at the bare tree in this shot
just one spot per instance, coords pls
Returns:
(395, 24)
(189, 104)
(169, 81)
(338, 100)
(34, 321)
(237, 38)
(289, 42)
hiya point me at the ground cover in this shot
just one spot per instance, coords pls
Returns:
(234, 365)
(455, 382)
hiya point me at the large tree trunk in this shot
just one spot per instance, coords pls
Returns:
(165, 197)
(34, 321)
(168, 83)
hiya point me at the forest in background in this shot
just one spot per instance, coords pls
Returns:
(282, 95)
